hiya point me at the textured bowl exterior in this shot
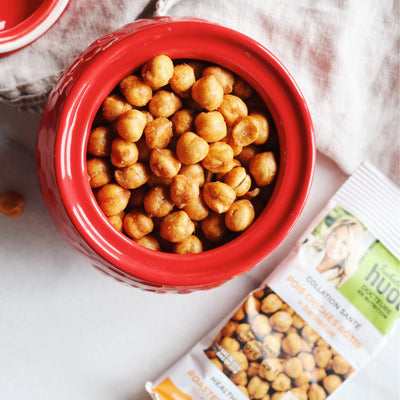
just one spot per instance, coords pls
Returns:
(66, 123)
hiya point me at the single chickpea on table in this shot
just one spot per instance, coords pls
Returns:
(11, 203)
(179, 158)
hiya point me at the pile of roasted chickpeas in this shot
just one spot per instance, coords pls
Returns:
(267, 350)
(182, 155)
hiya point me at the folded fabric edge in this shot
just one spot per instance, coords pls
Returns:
(31, 96)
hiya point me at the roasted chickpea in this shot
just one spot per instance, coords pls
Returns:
(244, 332)
(137, 224)
(242, 89)
(195, 172)
(262, 124)
(197, 208)
(241, 360)
(298, 322)
(133, 176)
(307, 361)
(304, 379)
(213, 227)
(210, 126)
(318, 374)
(182, 80)
(271, 303)
(183, 190)
(191, 148)
(219, 158)
(257, 388)
(239, 180)
(208, 92)
(182, 121)
(270, 368)
(232, 108)
(230, 345)
(272, 345)
(149, 241)
(263, 168)
(190, 245)
(164, 103)
(251, 306)
(293, 367)
(281, 383)
(225, 78)
(247, 153)
(309, 334)
(130, 125)
(158, 71)
(229, 328)
(157, 201)
(316, 392)
(11, 203)
(164, 163)
(331, 383)
(240, 378)
(158, 133)
(176, 227)
(299, 394)
(291, 344)
(322, 356)
(253, 369)
(117, 221)
(340, 365)
(99, 172)
(135, 90)
(240, 215)
(244, 131)
(218, 196)
(236, 148)
(149, 116)
(113, 198)
(99, 142)
(123, 153)
(238, 316)
(114, 106)
(281, 321)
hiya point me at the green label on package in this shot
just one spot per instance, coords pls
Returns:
(374, 288)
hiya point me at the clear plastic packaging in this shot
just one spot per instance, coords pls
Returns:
(317, 319)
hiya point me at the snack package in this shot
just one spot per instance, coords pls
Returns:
(317, 319)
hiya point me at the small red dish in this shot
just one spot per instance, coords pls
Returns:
(24, 21)
(68, 117)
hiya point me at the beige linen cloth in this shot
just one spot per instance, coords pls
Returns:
(344, 55)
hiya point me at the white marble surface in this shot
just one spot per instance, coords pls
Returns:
(69, 332)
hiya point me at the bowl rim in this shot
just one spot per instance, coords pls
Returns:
(283, 97)
(30, 29)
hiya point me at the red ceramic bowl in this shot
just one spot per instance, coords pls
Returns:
(67, 120)
(24, 21)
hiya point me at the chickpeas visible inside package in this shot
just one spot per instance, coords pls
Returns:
(317, 319)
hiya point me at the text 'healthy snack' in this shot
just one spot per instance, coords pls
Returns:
(183, 156)
(317, 319)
